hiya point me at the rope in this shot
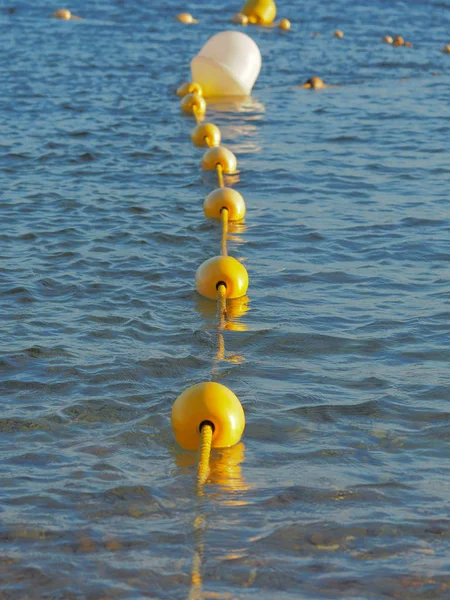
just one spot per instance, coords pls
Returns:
(205, 452)
(224, 220)
(198, 117)
(208, 142)
(221, 315)
(220, 174)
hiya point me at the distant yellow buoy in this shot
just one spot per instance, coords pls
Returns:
(193, 103)
(189, 88)
(65, 15)
(446, 49)
(206, 135)
(239, 19)
(219, 156)
(207, 403)
(399, 41)
(314, 83)
(338, 33)
(224, 198)
(284, 24)
(262, 12)
(388, 39)
(186, 18)
(221, 269)
(408, 44)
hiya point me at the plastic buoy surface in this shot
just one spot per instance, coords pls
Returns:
(227, 65)
(239, 19)
(186, 18)
(224, 198)
(263, 11)
(206, 134)
(219, 155)
(314, 83)
(62, 13)
(219, 269)
(189, 88)
(193, 101)
(284, 24)
(211, 402)
(338, 33)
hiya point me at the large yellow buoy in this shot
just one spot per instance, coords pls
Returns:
(206, 135)
(207, 403)
(262, 12)
(219, 156)
(221, 269)
(224, 198)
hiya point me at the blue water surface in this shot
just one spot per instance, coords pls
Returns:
(340, 353)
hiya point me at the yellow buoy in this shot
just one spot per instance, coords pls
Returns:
(314, 83)
(193, 102)
(206, 135)
(224, 198)
(262, 12)
(65, 15)
(398, 41)
(338, 33)
(207, 403)
(219, 156)
(388, 39)
(221, 269)
(446, 49)
(186, 18)
(408, 44)
(284, 24)
(189, 88)
(239, 19)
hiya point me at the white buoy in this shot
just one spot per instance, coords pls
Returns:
(227, 65)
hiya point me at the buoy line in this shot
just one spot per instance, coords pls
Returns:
(208, 414)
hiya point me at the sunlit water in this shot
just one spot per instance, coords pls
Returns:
(340, 487)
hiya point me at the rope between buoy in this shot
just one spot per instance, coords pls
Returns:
(219, 169)
(198, 117)
(208, 142)
(224, 221)
(205, 452)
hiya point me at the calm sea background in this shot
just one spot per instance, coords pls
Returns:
(340, 354)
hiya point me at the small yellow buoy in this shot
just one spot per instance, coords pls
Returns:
(446, 49)
(338, 33)
(314, 83)
(206, 134)
(219, 156)
(239, 19)
(186, 18)
(408, 44)
(221, 269)
(65, 15)
(388, 39)
(207, 403)
(193, 102)
(284, 24)
(398, 41)
(189, 88)
(262, 12)
(224, 198)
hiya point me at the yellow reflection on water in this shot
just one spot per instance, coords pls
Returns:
(225, 471)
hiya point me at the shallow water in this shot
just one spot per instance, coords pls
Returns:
(340, 486)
